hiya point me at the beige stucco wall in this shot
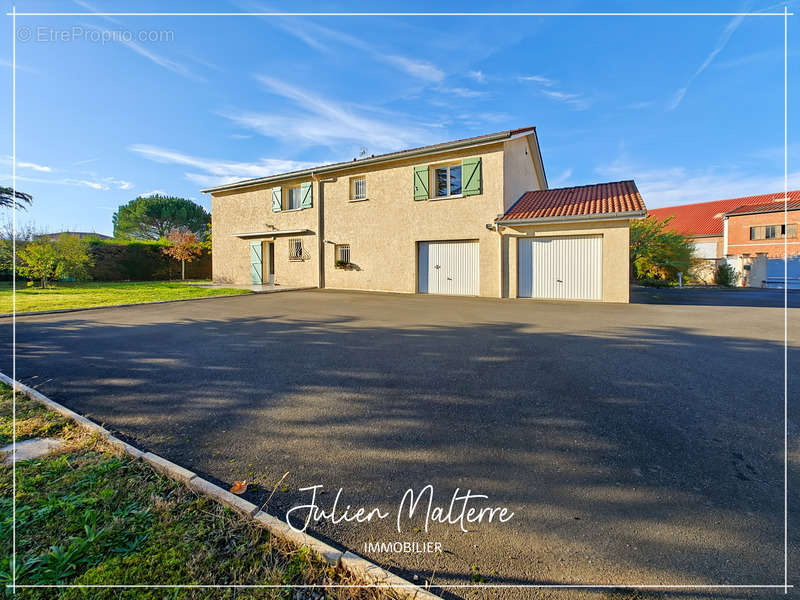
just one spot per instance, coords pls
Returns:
(251, 211)
(383, 231)
(616, 242)
(519, 173)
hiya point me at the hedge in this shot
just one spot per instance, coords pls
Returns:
(142, 261)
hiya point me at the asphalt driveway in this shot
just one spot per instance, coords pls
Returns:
(634, 444)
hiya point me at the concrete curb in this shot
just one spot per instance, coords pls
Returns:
(365, 570)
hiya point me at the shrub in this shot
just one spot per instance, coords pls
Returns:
(725, 275)
(657, 252)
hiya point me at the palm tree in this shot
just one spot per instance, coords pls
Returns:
(14, 198)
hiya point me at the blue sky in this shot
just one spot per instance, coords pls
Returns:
(689, 107)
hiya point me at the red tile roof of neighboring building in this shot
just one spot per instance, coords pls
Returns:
(705, 218)
(774, 206)
(583, 200)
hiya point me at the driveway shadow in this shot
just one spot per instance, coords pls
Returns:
(647, 454)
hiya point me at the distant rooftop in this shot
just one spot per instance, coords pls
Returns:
(706, 218)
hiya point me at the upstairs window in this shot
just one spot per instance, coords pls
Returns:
(358, 188)
(292, 200)
(771, 232)
(447, 181)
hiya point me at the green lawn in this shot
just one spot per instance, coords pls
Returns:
(90, 515)
(100, 293)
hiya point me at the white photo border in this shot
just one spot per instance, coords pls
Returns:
(785, 14)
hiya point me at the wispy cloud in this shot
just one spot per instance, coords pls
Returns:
(323, 121)
(34, 166)
(537, 79)
(84, 162)
(85, 179)
(478, 76)
(211, 172)
(462, 92)
(562, 179)
(416, 68)
(722, 41)
(673, 185)
(548, 88)
(320, 38)
(8, 64)
(162, 61)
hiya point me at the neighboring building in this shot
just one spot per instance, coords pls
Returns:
(739, 230)
(80, 234)
(469, 217)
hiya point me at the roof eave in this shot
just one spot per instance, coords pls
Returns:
(617, 216)
(342, 166)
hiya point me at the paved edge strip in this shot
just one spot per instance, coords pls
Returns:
(56, 311)
(356, 565)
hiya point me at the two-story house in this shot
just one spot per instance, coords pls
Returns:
(468, 217)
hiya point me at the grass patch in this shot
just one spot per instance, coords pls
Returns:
(102, 293)
(90, 515)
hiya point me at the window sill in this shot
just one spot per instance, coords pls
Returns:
(283, 210)
(446, 197)
(358, 199)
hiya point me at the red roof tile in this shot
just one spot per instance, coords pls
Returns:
(774, 206)
(582, 200)
(705, 218)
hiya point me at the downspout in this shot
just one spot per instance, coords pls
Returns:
(725, 236)
(503, 262)
(321, 226)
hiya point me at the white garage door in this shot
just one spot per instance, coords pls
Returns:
(449, 268)
(775, 269)
(567, 268)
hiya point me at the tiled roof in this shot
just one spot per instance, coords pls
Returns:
(774, 206)
(582, 200)
(486, 138)
(705, 218)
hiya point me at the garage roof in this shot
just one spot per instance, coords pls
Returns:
(616, 198)
(705, 218)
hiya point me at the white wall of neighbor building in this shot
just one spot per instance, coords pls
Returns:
(705, 249)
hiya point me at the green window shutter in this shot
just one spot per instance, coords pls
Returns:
(421, 183)
(255, 263)
(305, 195)
(471, 176)
(276, 199)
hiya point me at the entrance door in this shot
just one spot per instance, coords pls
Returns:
(567, 268)
(270, 255)
(256, 263)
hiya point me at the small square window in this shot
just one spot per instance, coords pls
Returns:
(770, 232)
(358, 188)
(295, 249)
(342, 255)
